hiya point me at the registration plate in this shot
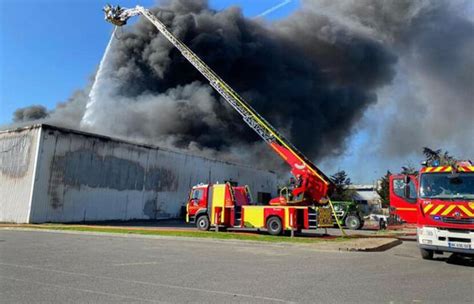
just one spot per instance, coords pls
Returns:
(459, 245)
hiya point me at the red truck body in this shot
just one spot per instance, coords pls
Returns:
(440, 201)
(227, 206)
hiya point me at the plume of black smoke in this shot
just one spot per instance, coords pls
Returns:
(440, 44)
(312, 75)
(431, 103)
(30, 113)
(153, 94)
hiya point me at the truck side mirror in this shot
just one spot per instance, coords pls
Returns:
(406, 191)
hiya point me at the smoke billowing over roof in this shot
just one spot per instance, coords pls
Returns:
(314, 75)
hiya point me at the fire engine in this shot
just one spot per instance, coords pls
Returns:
(304, 206)
(440, 200)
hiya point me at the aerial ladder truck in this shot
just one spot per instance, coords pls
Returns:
(304, 206)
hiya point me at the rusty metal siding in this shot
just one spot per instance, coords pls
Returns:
(18, 150)
(87, 178)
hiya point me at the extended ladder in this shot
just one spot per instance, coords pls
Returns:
(264, 129)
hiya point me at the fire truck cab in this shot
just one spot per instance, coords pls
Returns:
(440, 200)
(227, 206)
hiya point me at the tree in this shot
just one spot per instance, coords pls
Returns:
(438, 157)
(384, 190)
(342, 183)
(409, 169)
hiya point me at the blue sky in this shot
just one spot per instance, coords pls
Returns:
(49, 48)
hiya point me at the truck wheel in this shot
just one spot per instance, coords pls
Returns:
(202, 223)
(274, 225)
(426, 254)
(353, 222)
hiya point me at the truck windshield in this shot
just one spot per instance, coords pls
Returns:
(447, 186)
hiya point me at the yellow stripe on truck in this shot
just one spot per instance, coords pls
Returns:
(427, 208)
(253, 216)
(437, 209)
(218, 200)
(465, 210)
(448, 210)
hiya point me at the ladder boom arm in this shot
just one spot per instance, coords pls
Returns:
(300, 165)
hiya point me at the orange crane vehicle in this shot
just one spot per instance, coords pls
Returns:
(306, 205)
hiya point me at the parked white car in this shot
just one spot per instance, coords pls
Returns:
(379, 218)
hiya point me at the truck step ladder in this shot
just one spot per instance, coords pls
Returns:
(312, 218)
(238, 216)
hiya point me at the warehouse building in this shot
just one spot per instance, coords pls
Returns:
(52, 174)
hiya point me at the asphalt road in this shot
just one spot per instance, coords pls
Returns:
(49, 267)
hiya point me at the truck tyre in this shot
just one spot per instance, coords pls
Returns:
(426, 254)
(353, 222)
(202, 223)
(274, 225)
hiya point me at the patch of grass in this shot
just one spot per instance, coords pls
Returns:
(195, 234)
(392, 232)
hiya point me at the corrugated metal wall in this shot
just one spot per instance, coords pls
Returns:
(17, 162)
(88, 178)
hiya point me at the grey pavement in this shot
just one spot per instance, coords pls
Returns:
(50, 267)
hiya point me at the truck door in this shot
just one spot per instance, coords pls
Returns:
(197, 200)
(401, 205)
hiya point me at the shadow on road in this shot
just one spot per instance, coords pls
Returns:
(457, 259)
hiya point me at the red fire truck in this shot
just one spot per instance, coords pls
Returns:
(440, 200)
(227, 206)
